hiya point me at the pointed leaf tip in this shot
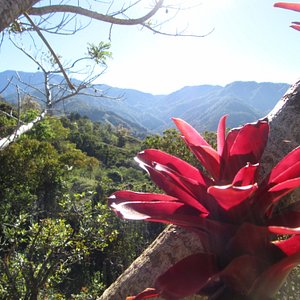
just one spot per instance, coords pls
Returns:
(287, 5)
(295, 26)
(207, 156)
(190, 133)
(146, 294)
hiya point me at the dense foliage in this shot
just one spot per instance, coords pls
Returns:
(58, 238)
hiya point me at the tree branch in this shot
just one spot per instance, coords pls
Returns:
(51, 51)
(39, 11)
(181, 34)
(12, 9)
(4, 142)
(10, 115)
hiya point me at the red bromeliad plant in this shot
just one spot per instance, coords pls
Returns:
(233, 215)
(290, 6)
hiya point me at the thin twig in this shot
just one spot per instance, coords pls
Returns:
(10, 115)
(177, 34)
(71, 86)
(6, 86)
(94, 15)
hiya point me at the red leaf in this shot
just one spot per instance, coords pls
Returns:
(284, 230)
(289, 246)
(251, 141)
(289, 173)
(246, 175)
(146, 294)
(267, 199)
(221, 134)
(172, 212)
(286, 5)
(286, 185)
(191, 135)
(243, 145)
(208, 157)
(231, 136)
(152, 156)
(187, 276)
(229, 196)
(142, 210)
(295, 26)
(281, 180)
(287, 168)
(283, 188)
(125, 196)
(269, 282)
(175, 186)
(241, 273)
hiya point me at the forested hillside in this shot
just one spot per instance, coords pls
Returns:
(141, 113)
(58, 238)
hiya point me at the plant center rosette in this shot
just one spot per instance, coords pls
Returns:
(235, 217)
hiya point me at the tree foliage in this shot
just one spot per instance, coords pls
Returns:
(58, 238)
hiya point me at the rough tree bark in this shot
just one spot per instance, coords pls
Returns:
(174, 243)
(10, 10)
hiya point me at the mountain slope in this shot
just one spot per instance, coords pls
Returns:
(200, 105)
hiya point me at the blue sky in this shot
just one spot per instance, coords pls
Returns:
(251, 41)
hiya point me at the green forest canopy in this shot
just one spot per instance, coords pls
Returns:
(58, 238)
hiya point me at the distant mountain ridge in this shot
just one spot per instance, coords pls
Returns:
(202, 105)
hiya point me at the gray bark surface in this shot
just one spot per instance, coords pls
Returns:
(172, 245)
(175, 243)
(10, 10)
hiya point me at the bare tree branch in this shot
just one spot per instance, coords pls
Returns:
(39, 11)
(10, 115)
(6, 86)
(51, 51)
(70, 12)
(181, 34)
(59, 92)
(21, 130)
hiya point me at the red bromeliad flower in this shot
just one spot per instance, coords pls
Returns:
(290, 6)
(230, 211)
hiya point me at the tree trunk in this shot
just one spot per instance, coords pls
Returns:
(4, 142)
(174, 243)
(10, 10)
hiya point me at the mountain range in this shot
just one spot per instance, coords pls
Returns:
(142, 113)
